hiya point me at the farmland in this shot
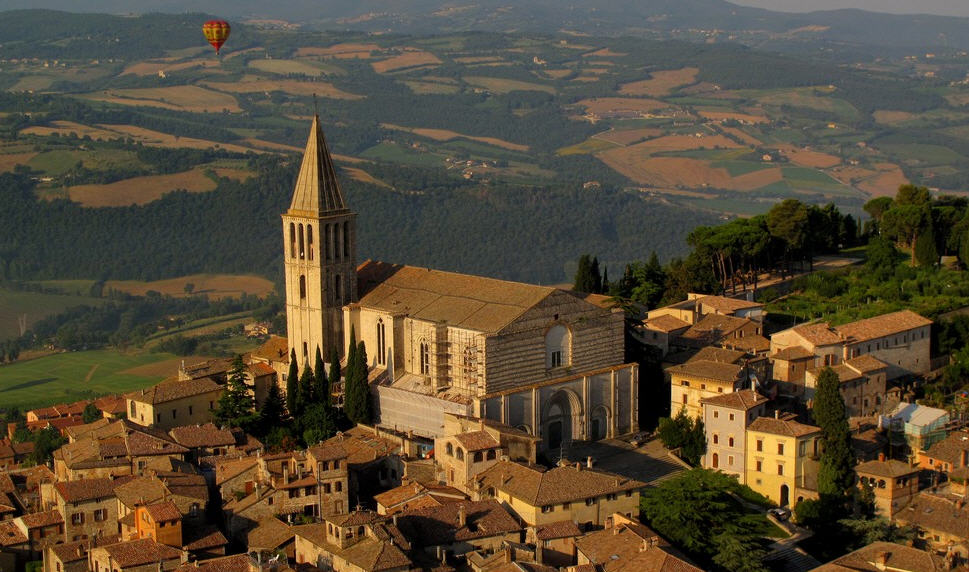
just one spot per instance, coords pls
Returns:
(16, 304)
(214, 286)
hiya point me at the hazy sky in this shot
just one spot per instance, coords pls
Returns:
(944, 7)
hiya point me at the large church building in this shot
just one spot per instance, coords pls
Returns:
(546, 360)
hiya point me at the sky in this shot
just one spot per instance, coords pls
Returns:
(942, 7)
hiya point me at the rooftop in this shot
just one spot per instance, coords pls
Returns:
(881, 556)
(890, 468)
(951, 449)
(140, 552)
(743, 400)
(818, 334)
(440, 525)
(882, 326)
(174, 390)
(787, 427)
(666, 323)
(85, 489)
(566, 483)
(706, 369)
(207, 435)
(792, 353)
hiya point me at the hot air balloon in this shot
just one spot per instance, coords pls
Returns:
(216, 32)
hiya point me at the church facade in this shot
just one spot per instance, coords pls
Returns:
(546, 360)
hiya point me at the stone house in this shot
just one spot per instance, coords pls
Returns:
(701, 378)
(272, 536)
(236, 476)
(469, 446)
(415, 495)
(159, 521)
(89, 507)
(356, 542)
(111, 448)
(782, 459)
(942, 523)
(725, 421)
(789, 366)
(458, 528)
(947, 455)
(862, 384)
(629, 545)
(887, 556)
(41, 530)
(892, 482)
(208, 440)
(73, 556)
(144, 555)
(173, 403)
(555, 542)
(567, 492)
(658, 331)
(331, 468)
(696, 306)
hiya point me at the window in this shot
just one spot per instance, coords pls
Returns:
(270, 501)
(100, 514)
(730, 460)
(174, 413)
(460, 455)
(759, 466)
(716, 415)
(336, 464)
(302, 246)
(302, 287)
(558, 340)
(547, 508)
(611, 497)
(478, 457)
(685, 383)
(590, 501)
(133, 409)
(309, 240)
(425, 358)
(730, 441)
(801, 449)
(77, 518)
(760, 444)
(492, 455)
(194, 509)
(338, 487)
(189, 409)
(346, 239)
(326, 488)
(703, 386)
(780, 448)
(685, 399)
(780, 469)
(292, 240)
(449, 449)
(336, 290)
(730, 417)
(381, 342)
(716, 439)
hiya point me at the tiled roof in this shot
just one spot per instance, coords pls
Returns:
(440, 525)
(881, 556)
(112, 404)
(727, 305)
(85, 489)
(328, 451)
(560, 529)
(202, 538)
(377, 553)
(743, 400)
(114, 439)
(477, 440)
(631, 548)
(721, 355)
(706, 369)
(234, 563)
(259, 369)
(950, 449)
(207, 435)
(269, 534)
(935, 513)
(42, 519)
(890, 468)
(866, 363)
(75, 551)
(163, 511)
(140, 552)
(712, 328)
(139, 490)
(10, 534)
(844, 373)
(792, 353)
(355, 518)
(461, 300)
(400, 494)
(567, 483)
(881, 326)
(787, 427)
(666, 323)
(754, 343)
(174, 390)
(363, 446)
(275, 348)
(818, 334)
(229, 468)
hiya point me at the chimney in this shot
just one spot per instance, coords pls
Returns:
(395, 519)
(881, 560)
(508, 554)
(578, 466)
(462, 516)
(777, 414)
(588, 462)
(285, 473)
(881, 457)
(645, 545)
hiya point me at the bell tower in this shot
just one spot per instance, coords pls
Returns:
(319, 243)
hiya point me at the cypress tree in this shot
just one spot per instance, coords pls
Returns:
(319, 379)
(292, 383)
(605, 281)
(836, 473)
(304, 392)
(584, 282)
(334, 379)
(273, 411)
(596, 276)
(357, 390)
(925, 252)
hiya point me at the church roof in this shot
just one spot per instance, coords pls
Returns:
(460, 300)
(317, 189)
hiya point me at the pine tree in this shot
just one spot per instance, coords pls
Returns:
(357, 401)
(236, 404)
(273, 411)
(292, 383)
(334, 379)
(319, 379)
(925, 252)
(596, 276)
(304, 392)
(836, 473)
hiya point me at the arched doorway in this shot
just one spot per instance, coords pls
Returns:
(558, 418)
(785, 495)
(599, 423)
(716, 461)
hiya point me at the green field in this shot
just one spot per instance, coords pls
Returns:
(738, 168)
(36, 305)
(58, 162)
(73, 375)
(397, 154)
(930, 154)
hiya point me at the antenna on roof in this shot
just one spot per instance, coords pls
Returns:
(316, 106)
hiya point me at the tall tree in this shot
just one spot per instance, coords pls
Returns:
(319, 378)
(292, 383)
(319, 423)
(584, 279)
(334, 379)
(357, 400)
(881, 258)
(273, 410)
(235, 407)
(787, 221)
(596, 276)
(836, 474)
(925, 251)
(304, 393)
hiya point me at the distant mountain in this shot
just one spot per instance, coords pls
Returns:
(700, 19)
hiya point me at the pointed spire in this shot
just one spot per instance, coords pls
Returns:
(317, 189)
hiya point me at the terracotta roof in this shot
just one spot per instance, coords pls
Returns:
(881, 326)
(276, 348)
(85, 489)
(363, 446)
(461, 300)
(539, 487)
(400, 494)
(75, 551)
(706, 369)
(229, 468)
(890, 468)
(754, 343)
(234, 563)
(328, 451)
(898, 558)
(114, 440)
(207, 435)
(174, 390)
(787, 427)
(721, 355)
(629, 548)
(560, 529)
(202, 538)
(269, 534)
(112, 404)
(950, 449)
(163, 511)
(844, 373)
(818, 334)
(666, 323)
(379, 552)
(792, 353)
(866, 363)
(729, 305)
(477, 440)
(935, 513)
(710, 329)
(743, 400)
(41, 519)
(6, 508)
(140, 552)
(259, 369)
(10, 534)
(355, 518)
(440, 525)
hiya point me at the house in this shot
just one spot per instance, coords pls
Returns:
(717, 330)
(234, 563)
(174, 402)
(73, 556)
(789, 366)
(892, 482)
(331, 467)
(567, 492)
(782, 459)
(725, 421)
(701, 378)
(920, 426)
(374, 462)
(415, 495)
(236, 476)
(110, 448)
(946, 455)
(89, 507)
(207, 440)
(942, 523)
(136, 556)
(627, 545)
(271, 536)
(469, 446)
(160, 521)
(555, 542)
(40, 529)
(357, 542)
(12, 454)
(658, 331)
(881, 556)
(862, 384)
(458, 528)
(696, 306)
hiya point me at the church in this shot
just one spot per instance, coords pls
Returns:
(545, 360)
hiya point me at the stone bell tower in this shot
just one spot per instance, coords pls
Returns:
(319, 240)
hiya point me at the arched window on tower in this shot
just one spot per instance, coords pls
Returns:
(309, 241)
(336, 241)
(425, 358)
(346, 240)
(327, 243)
(558, 342)
(292, 240)
(337, 296)
(302, 287)
(381, 342)
(302, 244)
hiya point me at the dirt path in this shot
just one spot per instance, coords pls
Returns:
(90, 372)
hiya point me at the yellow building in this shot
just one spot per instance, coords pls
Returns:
(567, 492)
(782, 459)
(695, 380)
(174, 403)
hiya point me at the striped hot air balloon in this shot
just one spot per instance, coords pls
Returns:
(216, 32)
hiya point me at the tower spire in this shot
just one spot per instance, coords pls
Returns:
(317, 189)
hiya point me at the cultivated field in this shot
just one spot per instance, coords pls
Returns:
(629, 136)
(447, 135)
(892, 117)
(14, 304)
(341, 51)
(159, 139)
(886, 183)
(601, 105)
(364, 177)
(660, 83)
(68, 127)
(140, 190)
(427, 87)
(215, 286)
(180, 98)
(70, 376)
(743, 117)
(294, 87)
(809, 158)
(285, 67)
(10, 160)
(502, 85)
(152, 67)
(409, 59)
